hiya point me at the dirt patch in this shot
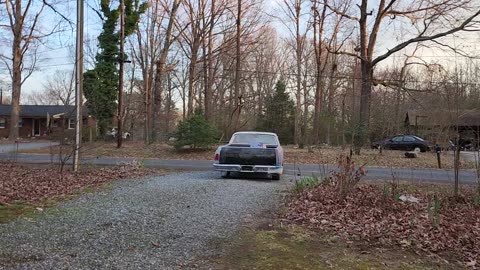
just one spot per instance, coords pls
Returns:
(327, 155)
(374, 215)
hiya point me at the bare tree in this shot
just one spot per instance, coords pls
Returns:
(145, 49)
(295, 12)
(153, 43)
(191, 42)
(59, 89)
(319, 17)
(23, 26)
(429, 20)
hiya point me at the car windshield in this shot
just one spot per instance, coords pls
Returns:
(254, 138)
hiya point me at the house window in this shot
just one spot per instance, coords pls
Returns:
(3, 123)
(54, 123)
(71, 123)
(20, 123)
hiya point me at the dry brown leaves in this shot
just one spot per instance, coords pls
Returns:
(371, 157)
(132, 149)
(34, 184)
(367, 215)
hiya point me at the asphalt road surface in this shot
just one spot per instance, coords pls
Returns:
(12, 147)
(373, 173)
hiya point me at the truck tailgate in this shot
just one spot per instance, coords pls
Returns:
(248, 156)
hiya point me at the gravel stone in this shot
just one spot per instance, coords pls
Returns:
(167, 222)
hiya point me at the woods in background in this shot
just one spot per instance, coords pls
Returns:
(340, 72)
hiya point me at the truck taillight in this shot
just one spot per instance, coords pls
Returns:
(216, 157)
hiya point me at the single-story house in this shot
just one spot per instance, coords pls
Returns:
(42, 120)
(447, 122)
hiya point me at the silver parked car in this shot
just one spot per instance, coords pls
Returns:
(250, 152)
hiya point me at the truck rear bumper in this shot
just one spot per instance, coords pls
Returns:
(248, 168)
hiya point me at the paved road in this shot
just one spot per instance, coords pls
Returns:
(373, 173)
(12, 147)
(470, 156)
(177, 221)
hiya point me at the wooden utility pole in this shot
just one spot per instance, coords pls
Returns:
(78, 86)
(238, 65)
(120, 75)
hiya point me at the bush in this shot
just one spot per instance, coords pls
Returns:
(347, 176)
(195, 132)
(307, 182)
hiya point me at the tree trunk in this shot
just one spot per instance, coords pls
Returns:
(298, 95)
(343, 121)
(156, 103)
(331, 96)
(191, 81)
(317, 111)
(210, 69)
(367, 73)
(318, 26)
(168, 104)
(16, 82)
(148, 108)
(161, 68)
(305, 115)
(365, 94)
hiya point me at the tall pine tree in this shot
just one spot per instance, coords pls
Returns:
(101, 83)
(279, 114)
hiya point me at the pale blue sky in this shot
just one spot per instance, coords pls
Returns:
(56, 54)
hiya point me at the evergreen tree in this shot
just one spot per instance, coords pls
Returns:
(195, 132)
(101, 83)
(279, 114)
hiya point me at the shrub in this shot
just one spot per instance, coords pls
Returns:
(195, 132)
(307, 182)
(433, 208)
(347, 176)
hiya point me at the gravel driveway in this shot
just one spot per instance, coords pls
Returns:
(169, 222)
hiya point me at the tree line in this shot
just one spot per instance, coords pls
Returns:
(349, 68)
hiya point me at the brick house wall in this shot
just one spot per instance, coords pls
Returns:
(34, 121)
(58, 126)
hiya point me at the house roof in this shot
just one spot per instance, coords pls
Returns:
(443, 118)
(40, 110)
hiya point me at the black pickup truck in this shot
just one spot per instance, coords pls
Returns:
(250, 152)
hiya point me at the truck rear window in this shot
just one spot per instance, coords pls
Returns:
(254, 138)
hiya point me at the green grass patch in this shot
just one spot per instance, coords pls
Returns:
(14, 210)
(293, 247)
(306, 182)
(18, 209)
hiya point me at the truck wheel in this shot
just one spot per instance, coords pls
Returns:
(276, 176)
(225, 174)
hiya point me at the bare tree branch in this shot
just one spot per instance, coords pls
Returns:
(421, 38)
(342, 13)
(58, 13)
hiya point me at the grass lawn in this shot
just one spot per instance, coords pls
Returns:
(394, 159)
(294, 247)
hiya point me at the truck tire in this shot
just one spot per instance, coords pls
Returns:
(276, 176)
(225, 174)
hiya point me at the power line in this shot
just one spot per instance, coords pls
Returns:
(343, 77)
